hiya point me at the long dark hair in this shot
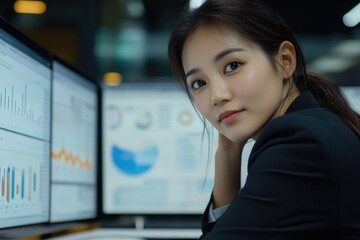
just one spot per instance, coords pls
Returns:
(263, 26)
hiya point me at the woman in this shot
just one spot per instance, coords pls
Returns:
(244, 70)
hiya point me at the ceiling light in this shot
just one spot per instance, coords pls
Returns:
(338, 59)
(330, 64)
(112, 78)
(195, 3)
(349, 48)
(30, 7)
(352, 18)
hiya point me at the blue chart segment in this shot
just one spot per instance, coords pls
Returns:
(22, 189)
(134, 163)
(19, 189)
(13, 184)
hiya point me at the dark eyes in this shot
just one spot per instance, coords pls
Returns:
(197, 84)
(228, 69)
(231, 67)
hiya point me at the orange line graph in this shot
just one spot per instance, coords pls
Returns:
(72, 159)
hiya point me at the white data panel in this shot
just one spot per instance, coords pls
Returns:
(74, 145)
(25, 104)
(155, 156)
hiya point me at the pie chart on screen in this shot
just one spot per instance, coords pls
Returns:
(134, 162)
(144, 120)
(113, 117)
(185, 118)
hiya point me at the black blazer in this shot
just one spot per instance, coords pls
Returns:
(303, 181)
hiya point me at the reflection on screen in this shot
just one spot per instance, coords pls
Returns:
(74, 146)
(25, 95)
(154, 158)
(353, 96)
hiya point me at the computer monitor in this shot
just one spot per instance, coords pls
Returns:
(74, 144)
(352, 93)
(155, 153)
(25, 110)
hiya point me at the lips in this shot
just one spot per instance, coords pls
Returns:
(228, 115)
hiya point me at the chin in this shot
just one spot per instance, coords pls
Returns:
(238, 138)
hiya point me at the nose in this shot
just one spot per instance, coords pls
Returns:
(220, 92)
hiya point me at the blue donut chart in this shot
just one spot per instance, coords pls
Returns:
(134, 163)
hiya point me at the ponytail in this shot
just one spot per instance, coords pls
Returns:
(329, 95)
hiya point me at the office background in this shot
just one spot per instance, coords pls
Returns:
(130, 36)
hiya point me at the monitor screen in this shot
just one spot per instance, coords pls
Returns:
(155, 156)
(74, 145)
(352, 93)
(25, 110)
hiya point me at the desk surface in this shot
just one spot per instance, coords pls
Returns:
(132, 234)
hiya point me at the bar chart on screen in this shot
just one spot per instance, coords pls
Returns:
(21, 190)
(23, 106)
(25, 114)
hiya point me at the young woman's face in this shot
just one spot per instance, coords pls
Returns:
(234, 85)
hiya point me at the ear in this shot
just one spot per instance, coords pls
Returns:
(286, 56)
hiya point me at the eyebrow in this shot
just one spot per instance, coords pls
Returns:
(222, 54)
(217, 58)
(192, 71)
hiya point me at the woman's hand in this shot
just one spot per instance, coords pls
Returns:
(227, 171)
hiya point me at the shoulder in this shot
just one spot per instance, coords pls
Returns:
(313, 120)
(306, 134)
(315, 135)
(317, 123)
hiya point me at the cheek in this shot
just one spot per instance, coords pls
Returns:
(203, 105)
(252, 88)
(261, 85)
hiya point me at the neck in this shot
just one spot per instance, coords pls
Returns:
(288, 98)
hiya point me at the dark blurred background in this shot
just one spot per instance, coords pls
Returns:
(130, 36)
